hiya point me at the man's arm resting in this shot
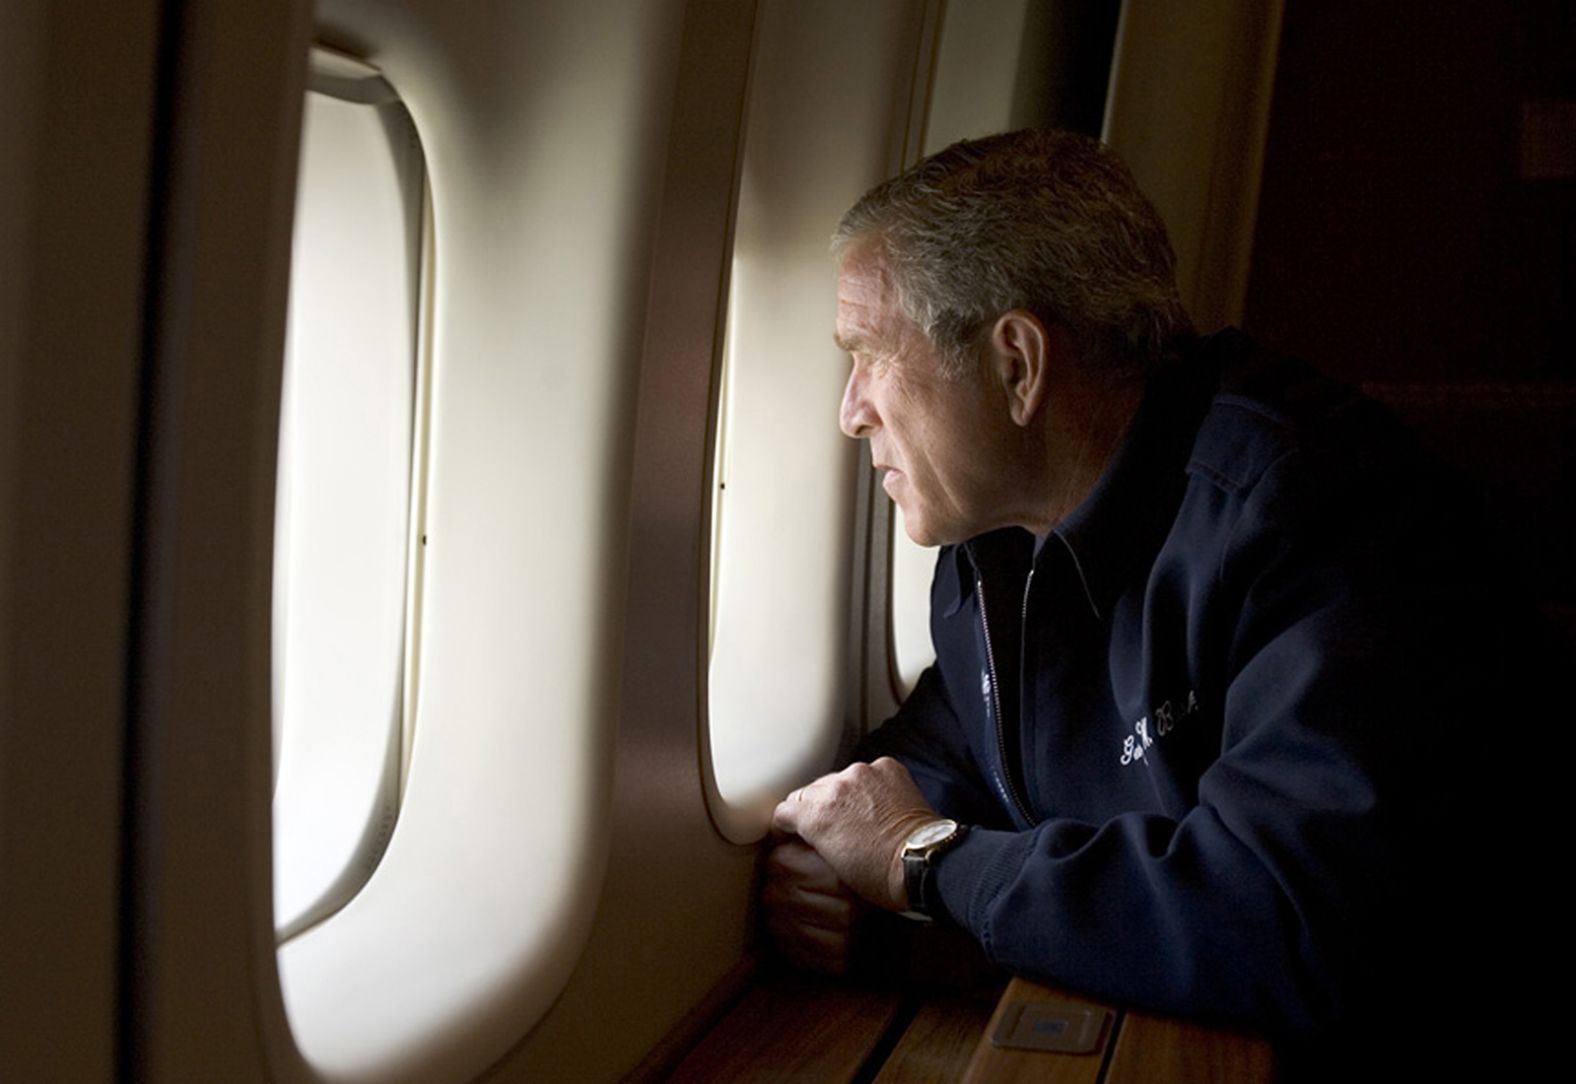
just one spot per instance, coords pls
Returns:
(840, 839)
(802, 893)
(1271, 902)
(857, 820)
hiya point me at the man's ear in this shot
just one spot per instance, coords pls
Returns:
(1028, 357)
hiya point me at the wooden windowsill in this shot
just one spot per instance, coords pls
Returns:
(793, 1028)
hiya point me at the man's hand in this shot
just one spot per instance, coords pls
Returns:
(857, 820)
(810, 914)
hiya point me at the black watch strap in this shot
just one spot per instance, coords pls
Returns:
(923, 848)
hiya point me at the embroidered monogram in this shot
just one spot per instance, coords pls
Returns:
(1165, 719)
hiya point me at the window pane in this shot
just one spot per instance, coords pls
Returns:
(913, 567)
(343, 505)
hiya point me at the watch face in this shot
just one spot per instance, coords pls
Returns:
(930, 834)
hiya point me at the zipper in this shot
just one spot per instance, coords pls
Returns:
(995, 692)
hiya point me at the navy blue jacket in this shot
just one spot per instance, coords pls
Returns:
(1220, 734)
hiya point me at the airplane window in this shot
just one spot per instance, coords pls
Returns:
(819, 123)
(912, 569)
(344, 576)
(543, 129)
(775, 676)
(783, 473)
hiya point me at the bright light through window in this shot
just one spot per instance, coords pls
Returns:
(344, 530)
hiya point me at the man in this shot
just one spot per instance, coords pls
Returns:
(1212, 660)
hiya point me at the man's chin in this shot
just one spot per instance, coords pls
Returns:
(919, 532)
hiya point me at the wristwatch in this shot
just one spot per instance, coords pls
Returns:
(923, 846)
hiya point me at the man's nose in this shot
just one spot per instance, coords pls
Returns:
(856, 417)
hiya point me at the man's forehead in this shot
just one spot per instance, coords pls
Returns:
(866, 300)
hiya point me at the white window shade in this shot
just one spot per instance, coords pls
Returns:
(343, 506)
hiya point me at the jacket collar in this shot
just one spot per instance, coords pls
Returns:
(1119, 528)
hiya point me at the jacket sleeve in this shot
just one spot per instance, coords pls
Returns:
(926, 738)
(1309, 878)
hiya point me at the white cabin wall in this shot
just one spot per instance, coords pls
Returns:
(670, 919)
(830, 83)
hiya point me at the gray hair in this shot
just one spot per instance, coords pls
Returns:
(1047, 221)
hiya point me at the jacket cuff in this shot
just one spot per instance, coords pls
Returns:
(969, 876)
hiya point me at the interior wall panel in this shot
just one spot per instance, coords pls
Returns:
(202, 996)
(1399, 239)
(676, 918)
(74, 154)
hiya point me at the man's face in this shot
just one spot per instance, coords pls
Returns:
(931, 436)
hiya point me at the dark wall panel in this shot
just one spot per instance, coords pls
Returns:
(1397, 239)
